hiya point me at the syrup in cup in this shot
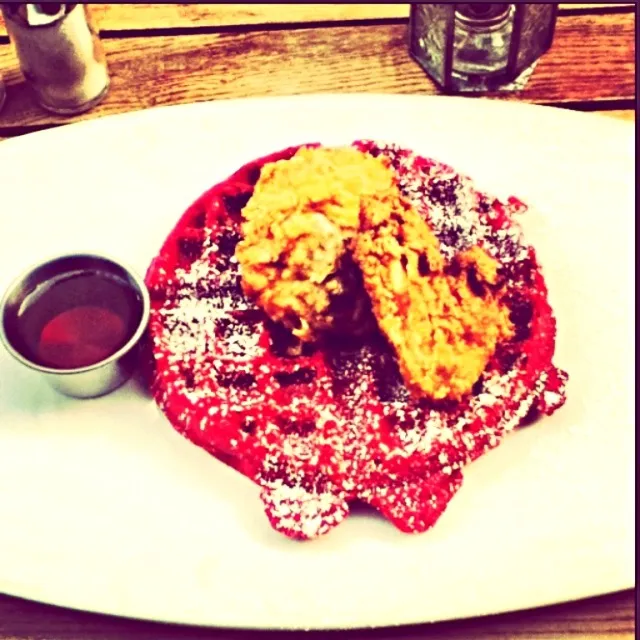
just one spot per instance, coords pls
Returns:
(78, 320)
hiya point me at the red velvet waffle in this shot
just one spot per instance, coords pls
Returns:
(336, 424)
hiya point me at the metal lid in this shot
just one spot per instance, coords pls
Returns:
(38, 15)
(482, 14)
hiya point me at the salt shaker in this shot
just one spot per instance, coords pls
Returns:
(60, 54)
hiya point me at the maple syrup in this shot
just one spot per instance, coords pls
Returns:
(77, 319)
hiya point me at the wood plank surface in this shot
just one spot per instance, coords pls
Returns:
(117, 17)
(592, 59)
(608, 617)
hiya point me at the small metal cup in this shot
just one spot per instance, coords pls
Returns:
(84, 382)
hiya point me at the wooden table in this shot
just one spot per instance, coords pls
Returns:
(171, 54)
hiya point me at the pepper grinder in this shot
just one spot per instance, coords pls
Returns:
(60, 54)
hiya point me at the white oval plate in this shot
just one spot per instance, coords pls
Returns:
(104, 507)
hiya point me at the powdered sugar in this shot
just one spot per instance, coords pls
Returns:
(338, 424)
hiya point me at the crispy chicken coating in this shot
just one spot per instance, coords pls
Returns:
(329, 244)
(293, 255)
(443, 321)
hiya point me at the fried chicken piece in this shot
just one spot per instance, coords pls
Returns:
(302, 279)
(443, 321)
(312, 217)
(293, 254)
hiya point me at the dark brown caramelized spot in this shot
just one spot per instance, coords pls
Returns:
(235, 203)
(291, 426)
(226, 243)
(189, 378)
(303, 375)
(231, 289)
(249, 425)
(477, 388)
(236, 379)
(423, 265)
(453, 269)
(483, 205)
(345, 365)
(283, 343)
(444, 192)
(475, 284)
(506, 356)
(388, 379)
(190, 248)
(253, 174)
(199, 220)
(521, 314)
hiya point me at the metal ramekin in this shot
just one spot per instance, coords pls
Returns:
(84, 382)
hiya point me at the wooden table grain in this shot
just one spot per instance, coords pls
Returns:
(161, 54)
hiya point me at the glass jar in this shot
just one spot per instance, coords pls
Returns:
(482, 38)
(477, 46)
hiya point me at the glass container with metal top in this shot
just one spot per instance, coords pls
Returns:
(60, 54)
(480, 46)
